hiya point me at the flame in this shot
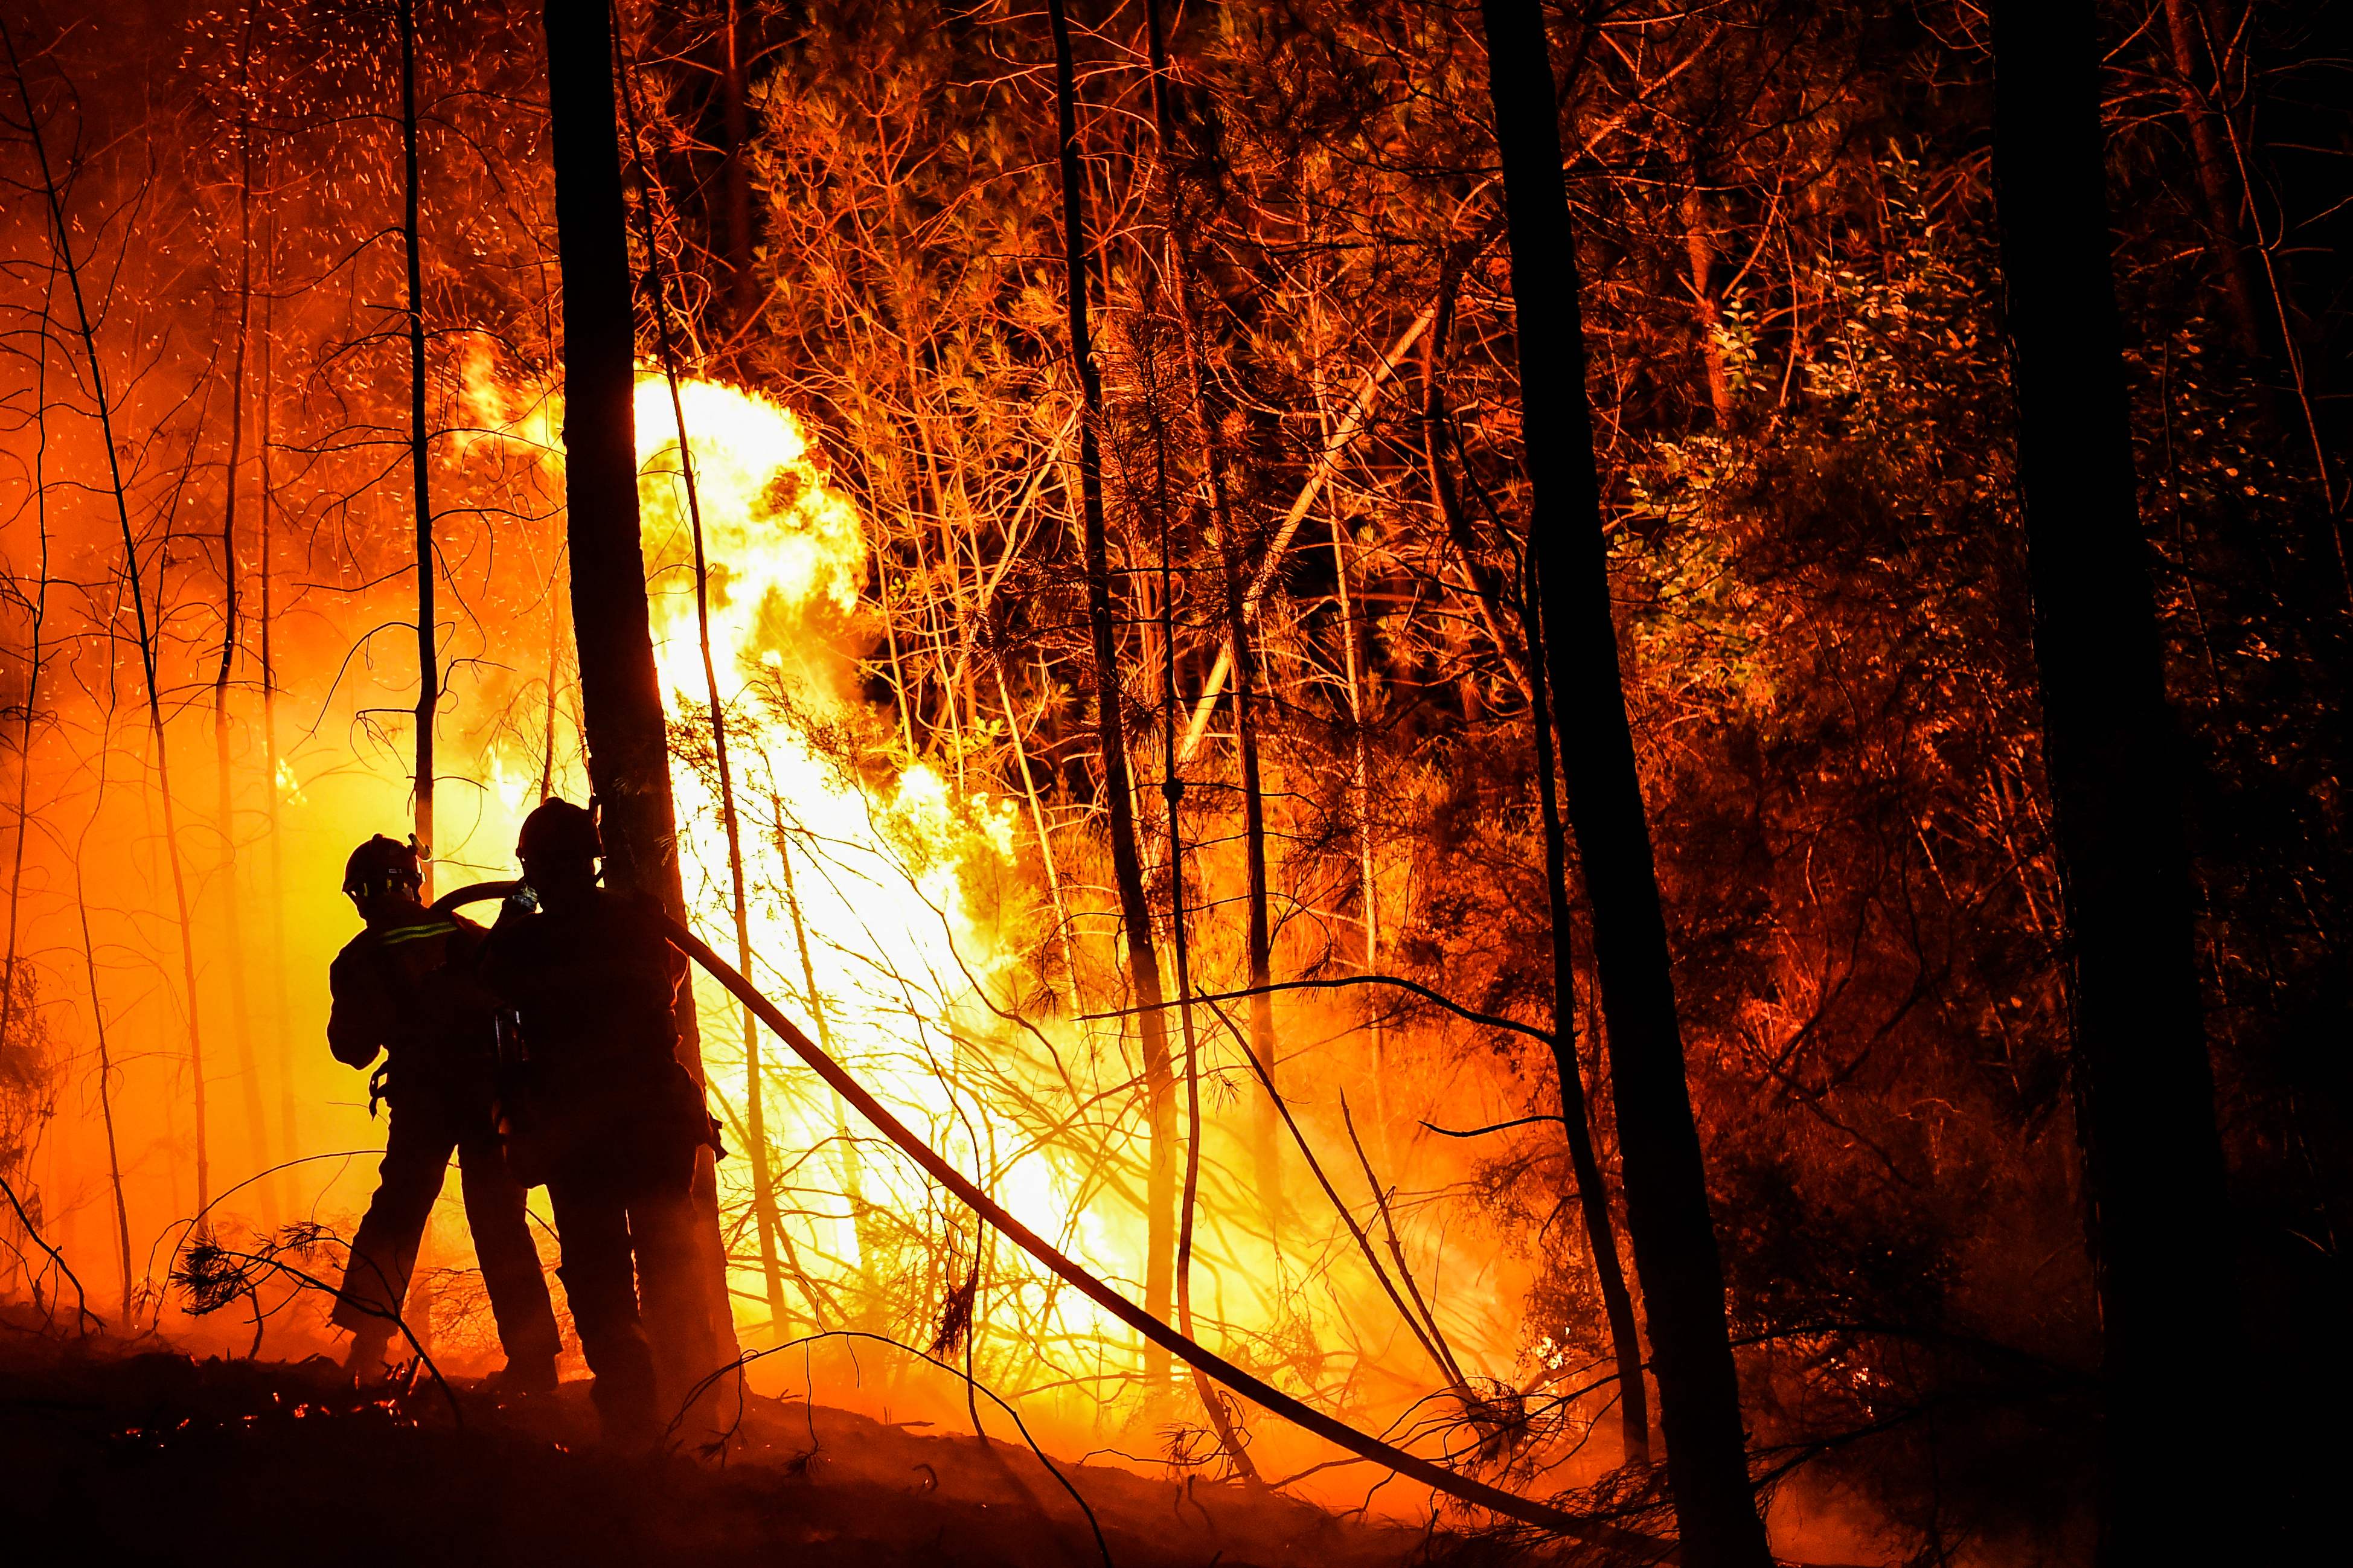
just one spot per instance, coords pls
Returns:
(870, 863)
(881, 887)
(290, 788)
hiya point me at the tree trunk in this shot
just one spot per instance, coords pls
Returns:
(1135, 915)
(288, 1109)
(106, 1097)
(241, 1019)
(743, 300)
(1266, 1152)
(1355, 683)
(1577, 1117)
(620, 692)
(1266, 1156)
(2144, 1098)
(30, 710)
(2194, 80)
(1527, 662)
(1666, 1186)
(428, 663)
(755, 1120)
(1172, 784)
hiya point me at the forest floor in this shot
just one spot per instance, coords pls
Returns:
(151, 1456)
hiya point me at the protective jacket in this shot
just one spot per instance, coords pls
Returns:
(410, 989)
(604, 1114)
(595, 986)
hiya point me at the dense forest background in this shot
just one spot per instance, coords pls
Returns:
(847, 231)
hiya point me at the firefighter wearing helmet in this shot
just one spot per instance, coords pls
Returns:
(407, 988)
(604, 1114)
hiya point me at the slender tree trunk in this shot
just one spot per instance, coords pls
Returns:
(1577, 1117)
(1266, 1149)
(1220, 1411)
(241, 1019)
(106, 1100)
(1266, 1123)
(2194, 80)
(1360, 792)
(1665, 1182)
(756, 1121)
(1172, 792)
(2144, 1098)
(1038, 826)
(1527, 663)
(1135, 914)
(620, 690)
(846, 1170)
(1486, 584)
(61, 236)
(32, 689)
(429, 661)
(743, 300)
(98, 1023)
(288, 1109)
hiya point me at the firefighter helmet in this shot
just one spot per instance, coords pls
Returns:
(559, 830)
(381, 864)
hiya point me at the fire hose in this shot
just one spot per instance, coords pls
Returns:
(1199, 1357)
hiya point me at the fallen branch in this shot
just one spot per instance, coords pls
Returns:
(1491, 1126)
(82, 1301)
(1470, 1013)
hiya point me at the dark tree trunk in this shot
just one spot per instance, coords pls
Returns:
(288, 1109)
(2145, 1097)
(1666, 1187)
(1127, 866)
(1577, 1117)
(1266, 1152)
(1172, 788)
(743, 299)
(620, 693)
(755, 1121)
(106, 1101)
(2194, 81)
(1266, 1156)
(428, 663)
(232, 890)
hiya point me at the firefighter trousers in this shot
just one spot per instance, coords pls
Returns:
(627, 1226)
(426, 1130)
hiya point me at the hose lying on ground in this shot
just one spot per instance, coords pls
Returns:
(1435, 1476)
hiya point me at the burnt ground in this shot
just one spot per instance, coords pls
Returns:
(153, 1457)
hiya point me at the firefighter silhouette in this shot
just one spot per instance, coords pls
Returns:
(600, 1109)
(408, 988)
